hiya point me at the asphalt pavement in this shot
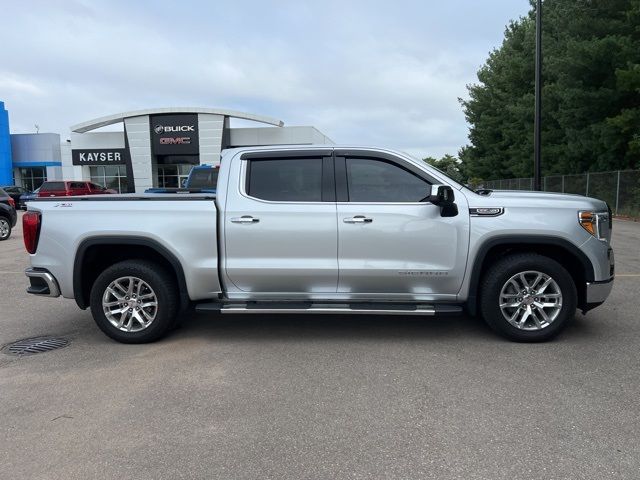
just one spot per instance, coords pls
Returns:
(315, 397)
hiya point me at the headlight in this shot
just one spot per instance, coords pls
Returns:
(594, 223)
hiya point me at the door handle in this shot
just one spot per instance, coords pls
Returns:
(358, 219)
(245, 219)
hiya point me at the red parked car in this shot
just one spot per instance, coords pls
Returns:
(65, 188)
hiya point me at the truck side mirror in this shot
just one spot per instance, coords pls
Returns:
(443, 196)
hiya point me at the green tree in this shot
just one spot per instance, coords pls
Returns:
(590, 97)
(449, 165)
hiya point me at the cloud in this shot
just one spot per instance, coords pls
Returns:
(362, 72)
(15, 86)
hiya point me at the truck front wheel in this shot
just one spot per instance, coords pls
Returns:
(134, 301)
(527, 297)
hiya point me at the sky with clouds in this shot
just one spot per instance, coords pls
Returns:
(363, 72)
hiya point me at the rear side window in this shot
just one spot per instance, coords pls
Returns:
(285, 180)
(371, 180)
(204, 178)
(49, 186)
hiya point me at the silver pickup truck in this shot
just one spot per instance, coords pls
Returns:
(324, 230)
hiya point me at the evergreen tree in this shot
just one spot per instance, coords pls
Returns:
(590, 96)
(449, 164)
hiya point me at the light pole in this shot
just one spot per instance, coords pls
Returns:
(537, 184)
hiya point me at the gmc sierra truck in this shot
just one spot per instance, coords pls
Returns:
(324, 230)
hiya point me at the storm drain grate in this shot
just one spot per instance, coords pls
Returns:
(31, 346)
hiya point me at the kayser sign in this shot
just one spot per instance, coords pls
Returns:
(99, 156)
(174, 134)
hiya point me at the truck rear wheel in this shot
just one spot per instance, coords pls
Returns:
(134, 301)
(527, 297)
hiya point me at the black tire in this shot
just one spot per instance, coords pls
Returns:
(500, 272)
(5, 226)
(164, 287)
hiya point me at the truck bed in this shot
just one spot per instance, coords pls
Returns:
(185, 194)
(183, 226)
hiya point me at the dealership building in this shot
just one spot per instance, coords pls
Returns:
(153, 147)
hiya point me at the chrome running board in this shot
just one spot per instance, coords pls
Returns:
(330, 308)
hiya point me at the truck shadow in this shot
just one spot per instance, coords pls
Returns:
(280, 327)
(328, 327)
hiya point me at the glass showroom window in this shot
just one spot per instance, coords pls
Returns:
(173, 176)
(110, 176)
(33, 177)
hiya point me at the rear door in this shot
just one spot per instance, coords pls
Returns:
(392, 244)
(280, 224)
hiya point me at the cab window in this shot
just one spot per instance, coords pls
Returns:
(373, 180)
(285, 179)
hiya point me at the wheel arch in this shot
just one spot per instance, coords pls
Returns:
(95, 254)
(564, 252)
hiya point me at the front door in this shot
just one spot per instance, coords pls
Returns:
(392, 244)
(280, 226)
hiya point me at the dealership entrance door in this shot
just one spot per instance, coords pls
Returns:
(171, 171)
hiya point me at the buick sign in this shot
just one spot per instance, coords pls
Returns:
(172, 128)
(99, 156)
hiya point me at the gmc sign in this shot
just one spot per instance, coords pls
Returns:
(175, 141)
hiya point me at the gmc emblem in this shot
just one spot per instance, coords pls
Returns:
(175, 141)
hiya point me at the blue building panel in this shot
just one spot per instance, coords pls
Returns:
(6, 178)
(37, 164)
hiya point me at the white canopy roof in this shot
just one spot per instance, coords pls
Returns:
(119, 117)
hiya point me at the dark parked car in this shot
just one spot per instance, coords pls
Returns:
(16, 193)
(27, 197)
(8, 215)
(66, 188)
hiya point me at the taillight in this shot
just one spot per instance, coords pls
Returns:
(12, 202)
(31, 230)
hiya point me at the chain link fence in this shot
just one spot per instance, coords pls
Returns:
(620, 189)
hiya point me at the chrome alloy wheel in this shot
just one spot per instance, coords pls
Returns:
(530, 300)
(4, 228)
(130, 304)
